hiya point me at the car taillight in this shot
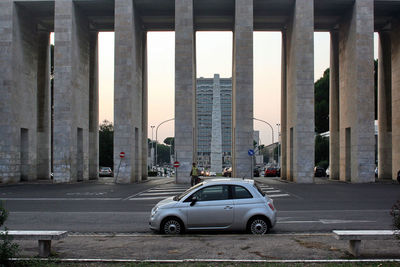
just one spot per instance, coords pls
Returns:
(271, 206)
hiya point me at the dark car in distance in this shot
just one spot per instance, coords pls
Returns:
(319, 172)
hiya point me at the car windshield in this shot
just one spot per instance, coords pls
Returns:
(179, 197)
(259, 189)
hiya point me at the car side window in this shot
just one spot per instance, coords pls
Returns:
(239, 192)
(210, 193)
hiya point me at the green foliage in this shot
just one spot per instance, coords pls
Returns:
(106, 144)
(321, 151)
(322, 103)
(395, 212)
(7, 248)
(162, 154)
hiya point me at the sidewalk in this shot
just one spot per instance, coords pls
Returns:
(212, 247)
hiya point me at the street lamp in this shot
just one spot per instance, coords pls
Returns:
(272, 129)
(157, 133)
(279, 142)
(152, 147)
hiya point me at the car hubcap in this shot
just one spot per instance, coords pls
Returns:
(172, 227)
(259, 227)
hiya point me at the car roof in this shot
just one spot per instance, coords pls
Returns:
(228, 181)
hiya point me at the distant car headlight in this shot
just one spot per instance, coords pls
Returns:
(154, 211)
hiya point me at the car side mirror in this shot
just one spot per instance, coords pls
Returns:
(194, 200)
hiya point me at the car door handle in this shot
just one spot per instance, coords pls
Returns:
(228, 208)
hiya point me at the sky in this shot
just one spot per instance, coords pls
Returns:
(213, 55)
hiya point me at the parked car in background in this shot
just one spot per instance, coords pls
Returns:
(328, 171)
(271, 172)
(319, 172)
(227, 172)
(105, 172)
(217, 204)
(278, 172)
(213, 174)
(256, 172)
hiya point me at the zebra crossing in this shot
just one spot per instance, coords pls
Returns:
(167, 190)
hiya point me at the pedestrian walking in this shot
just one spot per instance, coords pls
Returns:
(194, 173)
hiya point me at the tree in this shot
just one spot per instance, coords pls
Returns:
(171, 142)
(322, 103)
(7, 248)
(321, 151)
(106, 144)
(162, 154)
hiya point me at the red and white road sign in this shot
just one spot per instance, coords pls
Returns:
(122, 155)
(177, 164)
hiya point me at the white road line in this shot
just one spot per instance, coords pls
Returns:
(146, 198)
(273, 191)
(279, 195)
(165, 190)
(158, 194)
(328, 221)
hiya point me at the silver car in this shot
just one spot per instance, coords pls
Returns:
(216, 204)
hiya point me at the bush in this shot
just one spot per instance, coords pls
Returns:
(7, 248)
(395, 212)
(152, 173)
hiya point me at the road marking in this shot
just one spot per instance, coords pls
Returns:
(272, 191)
(279, 195)
(159, 194)
(146, 198)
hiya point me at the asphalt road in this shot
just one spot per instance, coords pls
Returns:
(97, 207)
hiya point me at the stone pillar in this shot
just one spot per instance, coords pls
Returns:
(18, 93)
(357, 144)
(216, 128)
(71, 93)
(44, 107)
(395, 36)
(128, 93)
(242, 89)
(94, 108)
(300, 93)
(9, 132)
(185, 89)
(334, 107)
(284, 108)
(384, 107)
(144, 110)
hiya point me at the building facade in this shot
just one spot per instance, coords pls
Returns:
(205, 101)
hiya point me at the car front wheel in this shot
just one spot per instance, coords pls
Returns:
(258, 226)
(172, 226)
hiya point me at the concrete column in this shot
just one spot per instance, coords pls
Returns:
(144, 110)
(284, 108)
(185, 88)
(384, 107)
(128, 92)
(395, 36)
(9, 131)
(357, 143)
(44, 108)
(71, 93)
(242, 89)
(334, 107)
(216, 128)
(94, 108)
(18, 93)
(300, 93)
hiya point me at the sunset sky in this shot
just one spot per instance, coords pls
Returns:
(213, 55)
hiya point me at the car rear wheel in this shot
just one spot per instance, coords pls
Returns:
(258, 226)
(172, 226)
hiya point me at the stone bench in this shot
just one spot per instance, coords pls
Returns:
(44, 238)
(355, 237)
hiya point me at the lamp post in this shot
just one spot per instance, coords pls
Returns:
(157, 133)
(279, 142)
(272, 129)
(152, 147)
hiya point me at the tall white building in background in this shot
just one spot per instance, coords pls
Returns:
(214, 122)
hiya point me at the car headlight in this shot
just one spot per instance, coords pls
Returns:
(154, 211)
